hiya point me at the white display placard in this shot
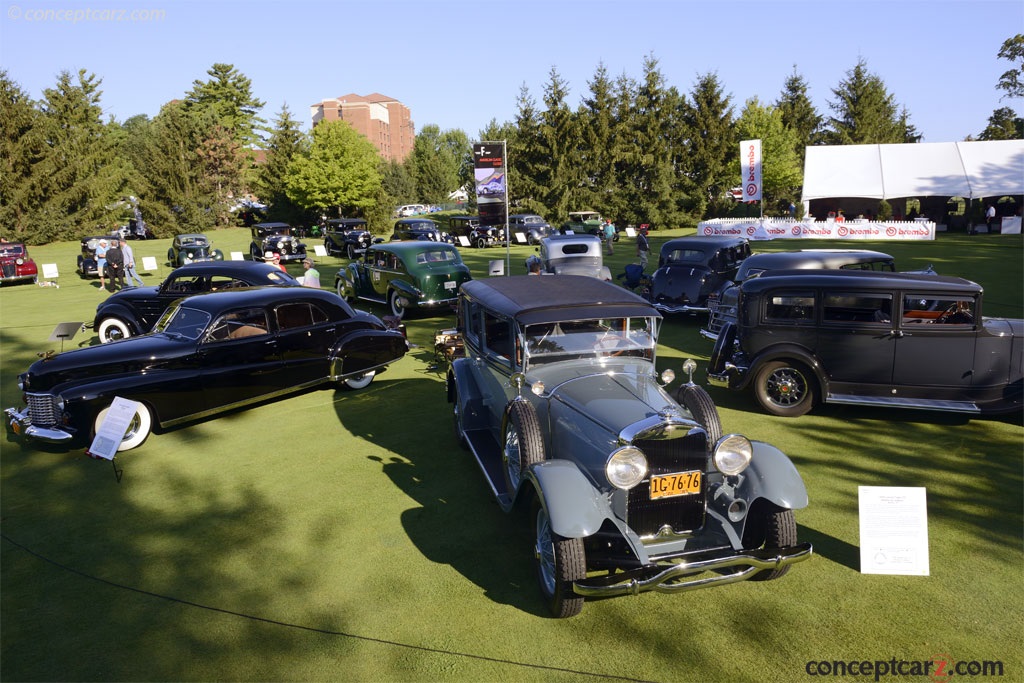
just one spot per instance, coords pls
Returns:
(148, 264)
(113, 428)
(521, 237)
(630, 232)
(237, 256)
(320, 250)
(463, 241)
(50, 271)
(893, 530)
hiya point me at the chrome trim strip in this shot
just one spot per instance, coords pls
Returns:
(680, 308)
(240, 404)
(900, 402)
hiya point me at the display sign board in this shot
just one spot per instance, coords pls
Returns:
(750, 170)
(113, 428)
(491, 182)
(893, 530)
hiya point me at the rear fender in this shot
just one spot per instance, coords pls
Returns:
(790, 352)
(367, 349)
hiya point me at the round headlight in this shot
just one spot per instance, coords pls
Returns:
(667, 376)
(626, 467)
(733, 453)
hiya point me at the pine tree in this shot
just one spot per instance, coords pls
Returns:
(713, 160)
(21, 148)
(286, 140)
(597, 127)
(865, 112)
(524, 156)
(799, 114)
(227, 95)
(559, 172)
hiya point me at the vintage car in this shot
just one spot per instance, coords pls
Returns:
(87, 259)
(572, 255)
(899, 340)
(722, 304)
(15, 263)
(586, 222)
(692, 269)
(192, 248)
(346, 236)
(405, 276)
(131, 312)
(418, 229)
(208, 353)
(477, 236)
(276, 238)
(531, 226)
(632, 489)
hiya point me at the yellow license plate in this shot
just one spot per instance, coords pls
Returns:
(677, 484)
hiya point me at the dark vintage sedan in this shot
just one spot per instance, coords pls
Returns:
(531, 226)
(208, 354)
(15, 263)
(896, 340)
(632, 488)
(476, 235)
(691, 269)
(346, 237)
(405, 276)
(276, 239)
(87, 258)
(418, 229)
(192, 248)
(131, 312)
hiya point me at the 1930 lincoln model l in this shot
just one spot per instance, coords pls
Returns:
(632, 489)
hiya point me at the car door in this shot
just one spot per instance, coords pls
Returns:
(305, 334)
(937, 337)
(239, 359)
(384, 270)
(856, 338)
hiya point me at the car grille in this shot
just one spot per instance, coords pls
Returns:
(719, 316)
(42, 409)
(9, 269)
(681, 513)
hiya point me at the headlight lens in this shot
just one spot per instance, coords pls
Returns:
(626, 467)
(733, 453)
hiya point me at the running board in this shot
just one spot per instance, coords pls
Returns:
(899, 402)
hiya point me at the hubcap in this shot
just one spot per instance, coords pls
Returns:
(786, 387)
(544, 551)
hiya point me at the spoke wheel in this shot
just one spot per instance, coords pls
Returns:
(560, 562)
(784, 389)
(523, 445)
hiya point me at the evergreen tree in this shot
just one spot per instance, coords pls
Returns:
(286, 140)
(782, 169)
(221, 163)
(597, 126)
(713, 160)
(21, 147)
(1004, 124)
(799, 114)
(524, 156)
(865, 112)
(227, 95)
(1012, 81)
(338, 172)
(559, 172)
(397, 183)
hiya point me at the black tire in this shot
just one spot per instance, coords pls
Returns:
(350, 250)
(778, 528)
(696, 400)
(139, 428)
(395, 303)
(784, 389)
(113, 329)
(522, 444)
(559, 563)
(457, 415)
(170, 257)
(723, 348)
(327, 248)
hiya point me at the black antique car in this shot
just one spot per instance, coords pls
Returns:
(277, 239)
(476, 235)
(691, 269)
(531, 226)
(346, 237)
(87, 259)
(632, 488)
(192, 248)
(209, 353)
(898, 340)
(418, 229)
(135, 311)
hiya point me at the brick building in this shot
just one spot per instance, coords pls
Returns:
(385, 121)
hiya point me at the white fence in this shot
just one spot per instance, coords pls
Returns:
(788, 228)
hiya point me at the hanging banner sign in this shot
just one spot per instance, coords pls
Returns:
(491, 183)
(750, 170)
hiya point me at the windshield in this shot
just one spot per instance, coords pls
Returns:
(597, 339)
(9, 250)
(184, 322)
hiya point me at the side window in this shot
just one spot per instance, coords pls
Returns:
(218, 283)
(856, 307)
(239, 324)
(932, 310)
(498, 335)
(789, 307)
(291, 316)
(471, 323)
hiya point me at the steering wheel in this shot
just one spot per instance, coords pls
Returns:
(949, 312)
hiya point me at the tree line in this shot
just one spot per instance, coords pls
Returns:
(637, 149)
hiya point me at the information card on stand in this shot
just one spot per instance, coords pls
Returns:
(893, 530)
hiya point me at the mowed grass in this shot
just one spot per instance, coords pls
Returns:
(345, 536)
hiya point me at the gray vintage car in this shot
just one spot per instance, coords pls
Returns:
(632, 488)
(571, 255)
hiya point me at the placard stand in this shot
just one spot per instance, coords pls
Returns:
(65, 331)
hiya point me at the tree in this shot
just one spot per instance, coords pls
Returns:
(782, 168)
(712, 162)
(338, 171)
(798, 113)
(559, 172)
(21, 147)
(437, 160)
(1004, 124)
(597, 127)
(221, 163)
(524, 155)
(1012, 81)
(285, 142)
(865, 112)
(228, 96)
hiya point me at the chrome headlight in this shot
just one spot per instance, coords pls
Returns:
(626, 467)
(733, 453)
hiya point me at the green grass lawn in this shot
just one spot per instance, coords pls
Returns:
(346, 536)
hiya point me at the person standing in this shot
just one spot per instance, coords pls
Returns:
(609, 234)
(115, 265)
(311, 278)
(101, 263)
(990, 218)
(129, 265)
(643, 247)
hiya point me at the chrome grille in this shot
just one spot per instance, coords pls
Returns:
(42, 409)
(682, 513)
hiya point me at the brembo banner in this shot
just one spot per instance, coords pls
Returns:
(750, 170)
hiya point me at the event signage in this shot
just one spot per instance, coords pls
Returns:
(893, 530)
(782, 228)
(750, 170)
(491, 182)
(112, 428)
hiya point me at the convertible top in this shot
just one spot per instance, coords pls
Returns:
(534, 299)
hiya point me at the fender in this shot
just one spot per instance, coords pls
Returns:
(404, 288)
(575, 507)
(772, 476)
(123, 313)
(366, 349)
(787, 351)
(461, 377)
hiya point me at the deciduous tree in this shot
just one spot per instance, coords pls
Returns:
(338, 172)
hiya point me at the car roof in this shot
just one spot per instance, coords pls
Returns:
(812, 258)
(575, 237)
(554, 298)
(227, 268)
(702, 242)
(405, 247)
(407, 221)
(861, 279)
(214, 302)
(271, 225)
(345, 221)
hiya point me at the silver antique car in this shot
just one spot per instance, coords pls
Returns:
(571, 255)
(632, 488)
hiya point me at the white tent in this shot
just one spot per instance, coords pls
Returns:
(933, 169)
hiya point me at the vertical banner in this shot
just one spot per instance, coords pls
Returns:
(750, 170)
(491, 189)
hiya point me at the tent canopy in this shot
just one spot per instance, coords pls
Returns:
(930, 169)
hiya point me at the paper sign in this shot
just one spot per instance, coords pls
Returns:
(521, 237)
(463, 241)
(50, 271)
(320, 250)
(112, 430)
(237, 256)
(893, 530)
(630, 232)
(148, 264)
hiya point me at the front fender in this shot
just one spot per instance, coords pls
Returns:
(118, 311)
(772, 476)
(461, 380)
(575, 507)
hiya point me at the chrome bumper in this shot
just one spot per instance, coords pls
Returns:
(668, 579)
(680, 308)
(19, 423)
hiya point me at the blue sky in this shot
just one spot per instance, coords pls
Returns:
(460, 64)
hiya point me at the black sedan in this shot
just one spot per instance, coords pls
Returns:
(209, 353)
(690, 269)
(134, 311)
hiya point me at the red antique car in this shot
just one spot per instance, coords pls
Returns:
(15, 264)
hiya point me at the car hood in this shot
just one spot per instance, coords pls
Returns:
(128, 356)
